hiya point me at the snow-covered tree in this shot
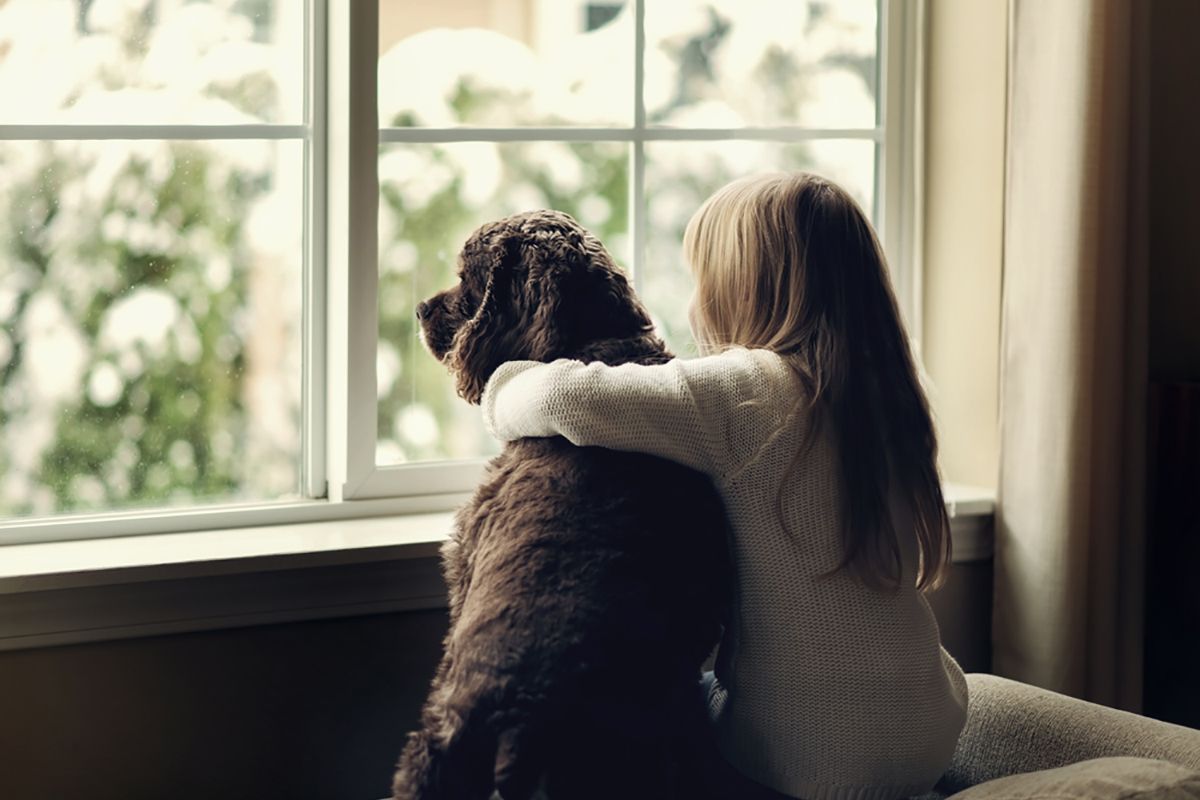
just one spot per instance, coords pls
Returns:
(150, 291)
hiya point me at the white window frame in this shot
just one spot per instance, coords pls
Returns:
(341, 137)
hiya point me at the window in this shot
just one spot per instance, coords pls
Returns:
(217, 217)
(152, 165)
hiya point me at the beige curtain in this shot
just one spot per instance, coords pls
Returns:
(1070, 523)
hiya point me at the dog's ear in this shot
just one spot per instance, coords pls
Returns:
(610, 309)
(579, 296)
(487, 339)
(547, 294)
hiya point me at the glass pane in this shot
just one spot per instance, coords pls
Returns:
(494, 64)
(150, 308)
(681, 175)
(151, 62)
(735, 63)
(433, 197)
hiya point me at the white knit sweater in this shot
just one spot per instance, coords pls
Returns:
(825, 688)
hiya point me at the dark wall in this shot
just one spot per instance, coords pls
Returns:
(1172, 680)
(306, 710)
(1174, 324)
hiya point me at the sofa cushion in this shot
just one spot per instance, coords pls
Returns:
(1098, 779)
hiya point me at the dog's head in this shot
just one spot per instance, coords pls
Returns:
(531, 286)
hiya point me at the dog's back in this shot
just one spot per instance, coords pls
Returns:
(587, 587)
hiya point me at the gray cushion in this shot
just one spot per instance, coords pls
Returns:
(1098, 779)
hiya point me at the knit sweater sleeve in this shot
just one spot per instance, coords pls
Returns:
(706, 413)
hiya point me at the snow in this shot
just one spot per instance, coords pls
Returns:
(112, 16)
(387, 367)
(837, 98)
(594, 211)
(418, 425)
(417, 75)
(26, 55)
(479, 168)
(422, 172)
(56, 352)
(398, 256)
(558, 162)
(145, 317)
(104, 385)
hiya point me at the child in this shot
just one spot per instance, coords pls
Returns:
(807, 412)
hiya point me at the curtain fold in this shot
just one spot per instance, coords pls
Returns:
(1070, 522)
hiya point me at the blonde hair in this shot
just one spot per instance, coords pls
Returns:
(788, 262)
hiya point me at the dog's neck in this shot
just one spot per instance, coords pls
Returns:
(646, 349)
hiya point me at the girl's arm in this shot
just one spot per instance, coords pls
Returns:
(702, 412)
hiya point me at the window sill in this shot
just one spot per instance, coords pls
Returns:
(101, 589)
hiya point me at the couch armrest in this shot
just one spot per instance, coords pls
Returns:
(1015, 728)
(1097, 779)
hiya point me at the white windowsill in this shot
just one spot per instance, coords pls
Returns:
(99, 589)
(132, 559)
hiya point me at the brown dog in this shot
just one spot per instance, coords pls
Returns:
(586, 585)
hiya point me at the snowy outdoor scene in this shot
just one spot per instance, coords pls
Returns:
(151, 290)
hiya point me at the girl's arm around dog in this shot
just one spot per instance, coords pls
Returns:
(711, 413)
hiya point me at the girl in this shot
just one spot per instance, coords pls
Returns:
(807, 412)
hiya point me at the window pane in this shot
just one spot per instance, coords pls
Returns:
(735, 63)
(151, 61)
(433, 196)
(676, 185)
(492, 64)
(150, 308)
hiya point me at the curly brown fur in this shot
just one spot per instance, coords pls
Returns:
(586, 586)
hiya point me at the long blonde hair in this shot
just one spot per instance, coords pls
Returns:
(789, 263)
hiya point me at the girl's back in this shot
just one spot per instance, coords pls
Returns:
(828, 688)
(825, 687)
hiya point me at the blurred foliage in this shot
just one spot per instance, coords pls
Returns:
(128, 316)
(167, 431)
